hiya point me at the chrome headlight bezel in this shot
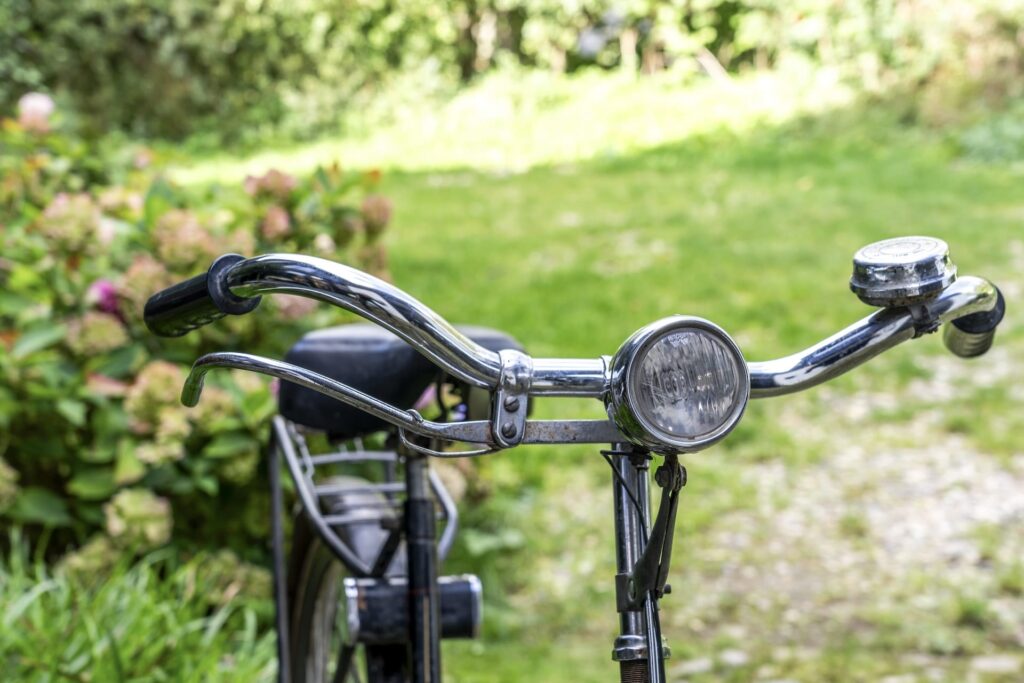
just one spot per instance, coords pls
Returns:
(623, 405)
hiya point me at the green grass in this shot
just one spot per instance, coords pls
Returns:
(572, 216)
(515, 120)
(149, 622)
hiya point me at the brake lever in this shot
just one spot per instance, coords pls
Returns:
(480, 432)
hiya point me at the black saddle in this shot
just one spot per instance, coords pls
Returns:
(373, 361)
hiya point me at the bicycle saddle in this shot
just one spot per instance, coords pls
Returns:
(373, 361)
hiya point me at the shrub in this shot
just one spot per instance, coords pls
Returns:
(171, 68)
(93, 439)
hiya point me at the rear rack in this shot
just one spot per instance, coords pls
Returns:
(310, 473)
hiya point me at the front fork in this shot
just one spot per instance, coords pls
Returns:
(639, 649)
(424, 603)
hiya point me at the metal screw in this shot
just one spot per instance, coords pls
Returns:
(511, 404)
(508, 430)
(663, 476)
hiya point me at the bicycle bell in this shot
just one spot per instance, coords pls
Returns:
(903, 271)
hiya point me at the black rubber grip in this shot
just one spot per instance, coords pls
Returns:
(198, 301)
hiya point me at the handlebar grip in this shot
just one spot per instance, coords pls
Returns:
(189, 305)
(972, 335)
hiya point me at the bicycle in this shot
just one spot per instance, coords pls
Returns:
(676, 386)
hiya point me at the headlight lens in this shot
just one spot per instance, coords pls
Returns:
(679, 384)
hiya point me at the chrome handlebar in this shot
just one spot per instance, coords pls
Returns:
(413, 321)
(234, 283)
(437, 339)
(373, 299)
(869, 337)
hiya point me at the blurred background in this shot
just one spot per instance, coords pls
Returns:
(565, 171)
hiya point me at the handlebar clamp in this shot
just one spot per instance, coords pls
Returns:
(510, 399)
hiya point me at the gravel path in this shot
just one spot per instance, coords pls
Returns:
(897, 548)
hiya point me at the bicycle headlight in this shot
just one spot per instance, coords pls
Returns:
(678, 385)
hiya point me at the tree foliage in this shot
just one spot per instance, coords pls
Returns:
(173, 67)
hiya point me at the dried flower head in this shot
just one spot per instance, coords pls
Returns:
(94, 333)
(228, 578)
(181, 242)
(273, 184)
(291, 307)
(376, 213)
(156, 388)
(138, 519)
(216, 405)
(144, 277)
(276, 223)
(71, 222)
(92, 560)
(346, 224)
(121, 201)
(239, 468)
(237, 241)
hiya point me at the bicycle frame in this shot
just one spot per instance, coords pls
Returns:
(640, 632)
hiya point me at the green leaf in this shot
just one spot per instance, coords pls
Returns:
(109, 421)
(43, 445)
(128, 469)
(40, 506)
(258, 406)
(207, 484)
(12, 304)
(93, 484)
(159, 199)
(37, 339)
(481, 542)
(72, 411)
(227, 445)
(121, 362)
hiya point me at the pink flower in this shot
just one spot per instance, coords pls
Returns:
(101, 385)
(142, 158)
(294, 307)
(71, 222)
(181, 241)
(121, 202)
(273, 183)
(276, 223)
(34, 111)
(103, 295)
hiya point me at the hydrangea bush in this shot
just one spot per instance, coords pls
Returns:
(96, 452)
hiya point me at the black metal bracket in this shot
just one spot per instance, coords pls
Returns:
(650, 573)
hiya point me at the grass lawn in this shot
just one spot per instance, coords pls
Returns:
(746, 212)
(753, 229)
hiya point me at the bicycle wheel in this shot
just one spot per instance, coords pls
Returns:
(318, 648)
